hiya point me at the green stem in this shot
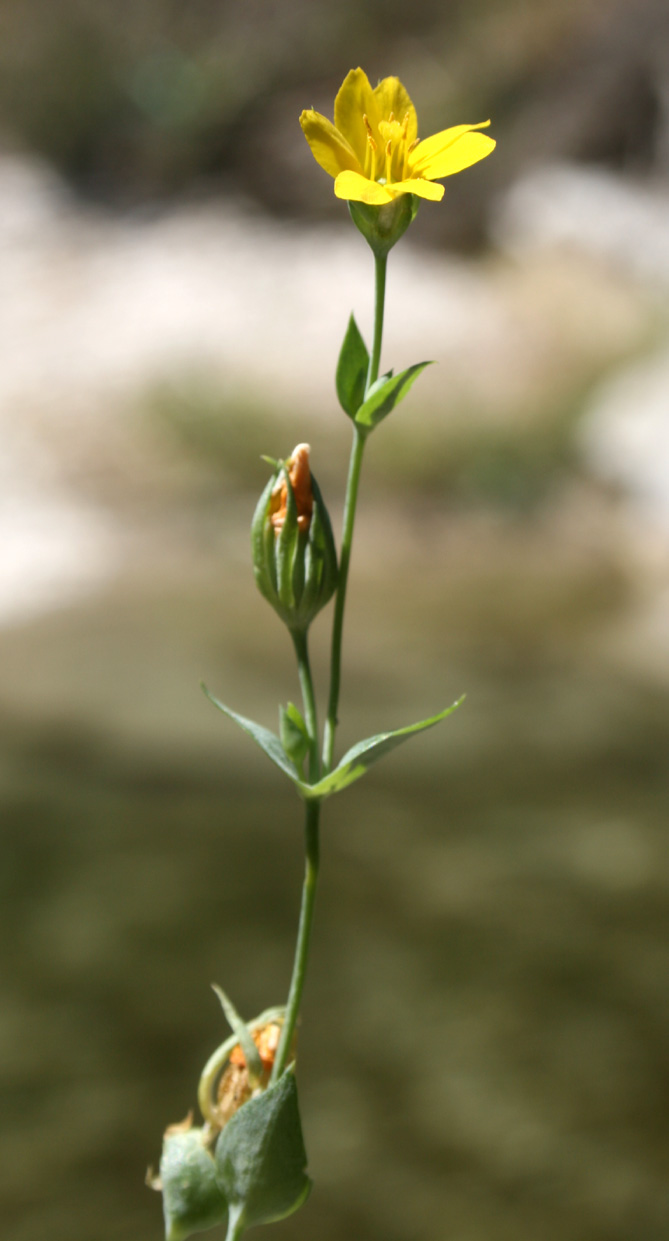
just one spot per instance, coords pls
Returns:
(380, 264)
(308, 700)
(236, 1227)
(331, 722)
(313, 809)
(350, 504)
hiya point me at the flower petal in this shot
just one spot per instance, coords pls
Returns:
(328, 147)
(354, 100)
(356, 188)
(431, 150)
(466, 151)
(391, 96)
(419, 186)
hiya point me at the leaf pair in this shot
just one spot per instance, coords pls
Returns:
(255, 1175)
(368, 407)
(352, 766)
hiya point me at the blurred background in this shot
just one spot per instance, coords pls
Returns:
(484, 1042)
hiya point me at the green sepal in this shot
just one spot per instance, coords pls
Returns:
(352, 368)
(385, 394)
(286, 544)
(264, 737)
(241, 1030)
(293, 733)
(261, 1160)
(321, 569)
(382, 226)
(192, 1197)
(262, 545)
(355, 762)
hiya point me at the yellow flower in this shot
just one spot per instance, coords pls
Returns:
(372, 150)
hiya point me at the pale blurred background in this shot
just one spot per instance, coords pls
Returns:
(484, 1043)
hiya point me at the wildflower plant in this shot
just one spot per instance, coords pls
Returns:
(245, 1164)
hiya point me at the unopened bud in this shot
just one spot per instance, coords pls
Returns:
(293, 549)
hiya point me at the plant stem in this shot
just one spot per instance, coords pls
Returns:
(313, 809)
(331, 722)
(308, 700)
(236, 1227)
(380, 264)
(352, 485)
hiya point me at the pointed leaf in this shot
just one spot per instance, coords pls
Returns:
(264, 737)
(240, 1028)
(352, 367)
(261, 1160)
(355, 762)
(382, 399)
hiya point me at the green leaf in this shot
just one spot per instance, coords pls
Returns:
(352, 766)
(261, 1160)
(355, 762)
(240, 1028)
(380, 382)
(384, 396)
(264, 737)
(192, 1197)
(352, 367)
(293, 733)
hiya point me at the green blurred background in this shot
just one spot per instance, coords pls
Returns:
(483, 1052)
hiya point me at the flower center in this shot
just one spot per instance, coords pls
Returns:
(396, 148)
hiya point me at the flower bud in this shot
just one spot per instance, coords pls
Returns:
(383, 226)
(293, 549)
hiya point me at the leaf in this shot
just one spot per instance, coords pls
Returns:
(382, 398)
(355, 762)
(192, 1198)
(352, 367)
(264, 737)
(293, 733)
(380, 382)
(241, 1030)
(352, 766)
(261, 1160)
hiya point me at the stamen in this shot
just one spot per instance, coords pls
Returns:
(405, 126)
(392, 116)
(368, 126)
(389, 155)
(407, 150)
(370, 158)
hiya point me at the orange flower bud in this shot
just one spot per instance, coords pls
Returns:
(299, 474)
(293, 550)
